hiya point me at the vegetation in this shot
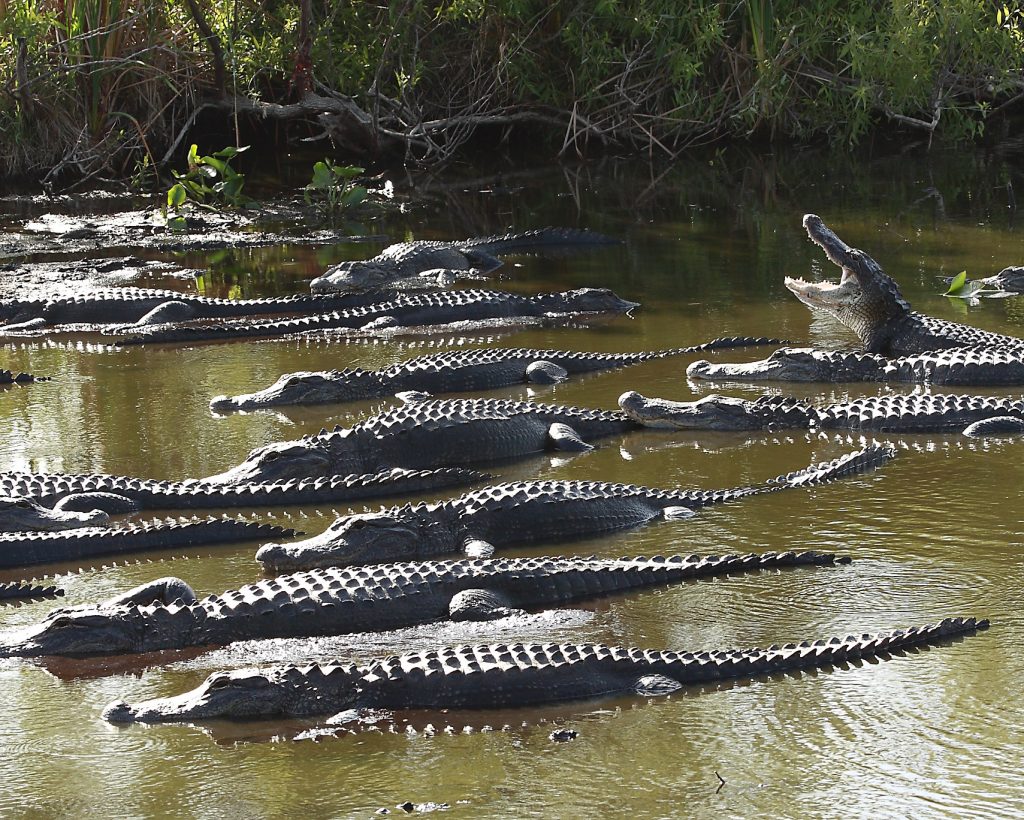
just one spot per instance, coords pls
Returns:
(332, 190)
(113, 86)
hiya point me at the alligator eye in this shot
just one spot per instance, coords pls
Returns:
(359, 524)
(271, 456)
(25, 505)
(218, 682)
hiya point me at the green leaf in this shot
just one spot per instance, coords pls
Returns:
(176, 196)
(957, 284)
(322, 176)
(177, 223)
(212, 162)
(193, 155)
(353, 197)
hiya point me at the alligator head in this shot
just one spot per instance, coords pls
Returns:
(866, 299)
(304, 387)
(365, 538)
(19, 514)
(590, 300)
(280, 461)
(791, 364)
(247, 693)
(347, 277)
(708, 413)
(85, 631)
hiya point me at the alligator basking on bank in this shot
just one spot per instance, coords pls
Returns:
(165, 614)
(889, 414)
(406, 260)
(452, 371)
(405, 310)
(507, 675)
(128, 305)
(23, 590)
(962, 367)
(526, 511)
(425, 434)
(21, 549)
(869, 302)
(119, 494)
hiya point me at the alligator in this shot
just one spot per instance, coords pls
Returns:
(525, 511)
(22, 590)
(1008, 280)
(165, 614)
(951, 367)
(118, 494)
(451, 371)
(889, 414)
(406, 310)
(507, 675)
(20, 513)
(425, 434)
(24, 548)
(406, 260)
(115, 306)
(869, 302)
(9, 377)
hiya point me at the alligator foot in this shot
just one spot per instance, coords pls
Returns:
(564, 438)
(481, 605)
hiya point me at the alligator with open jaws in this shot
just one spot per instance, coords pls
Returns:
(970, 415)
(526, 511)
(119, 494)
(20, 549)
(405, 310)
(507, 676)
(165, 613)
(406, 260)
(146, 306)
(961, 367)
(23, 590)
(452, 371)
(424, 434)
(869, 302)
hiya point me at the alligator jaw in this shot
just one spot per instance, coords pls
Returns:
(709, 413)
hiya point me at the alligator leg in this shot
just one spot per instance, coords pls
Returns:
(995, 426)
(162, 590)
(172, 310)
(481, 605)
(110, 503)
(542, 372)
(478, 548)
(482, 262)
(677, 513)
(563, 437)
(655, 685)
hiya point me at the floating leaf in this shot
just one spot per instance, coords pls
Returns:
(957, 284)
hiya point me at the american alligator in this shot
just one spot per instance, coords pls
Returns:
(9, 377)
(127, 305)
(525, 511)
(507, 675)
(890, 414)
(21, 590)
(955, 366)
(412, 309)
(451, 371)
(427, 434)
(117, 494)
(25, 548)
(165, 614)
(1009, 280)
(405, 260)
(870, 303)
(19, 513)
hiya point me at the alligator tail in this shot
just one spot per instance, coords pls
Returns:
(22, 590)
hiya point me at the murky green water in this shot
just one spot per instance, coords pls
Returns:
(938, 532)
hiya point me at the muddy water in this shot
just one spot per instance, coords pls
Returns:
(939, 532)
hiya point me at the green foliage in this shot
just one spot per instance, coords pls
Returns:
(209, 182)
(331, 190)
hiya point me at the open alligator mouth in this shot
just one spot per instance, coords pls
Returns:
(826, 294)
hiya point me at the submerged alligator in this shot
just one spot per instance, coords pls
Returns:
(970, 415)
(452, 371)
(406, 310)
(165, 614)
(506, 675)
(118, 494)
(869, 302)
(20, 513)
(406, 260)
(115, 306)
(526, 511)
(9, 377)
(21, 590)
(26, 548)
(425, 434)
(953, 367)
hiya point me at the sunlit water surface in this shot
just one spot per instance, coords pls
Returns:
(937, 533)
